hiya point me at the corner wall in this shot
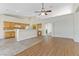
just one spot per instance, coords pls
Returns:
(76, 26)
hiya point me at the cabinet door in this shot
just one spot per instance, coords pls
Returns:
(20, 26)
(13, 34)
(7, 35)
(10, 34)
(39, 26)
(8, 25)
(23, 26)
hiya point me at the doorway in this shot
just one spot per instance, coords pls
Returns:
(48, 29)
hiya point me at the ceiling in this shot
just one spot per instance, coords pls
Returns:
(28, 9)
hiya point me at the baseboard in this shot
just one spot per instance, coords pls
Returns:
(63, 37)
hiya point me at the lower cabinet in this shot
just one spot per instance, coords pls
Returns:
(9, 34)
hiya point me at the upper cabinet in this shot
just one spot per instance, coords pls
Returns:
(14, 25)
(9, 25)
(37, 26)
(19, 26)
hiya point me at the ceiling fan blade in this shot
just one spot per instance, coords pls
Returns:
(49, 11)
(37, 11)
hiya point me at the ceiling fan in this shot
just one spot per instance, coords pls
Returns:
(43, 11)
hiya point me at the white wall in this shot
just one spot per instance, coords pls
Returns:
(1, 29)
(76, 26)
(64, 27)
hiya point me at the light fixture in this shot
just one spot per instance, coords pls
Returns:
(43, 13)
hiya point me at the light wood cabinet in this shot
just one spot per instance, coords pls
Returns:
(9, 25)
(39, 26)
(10, 34)
(20, 26)
(14, 25)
